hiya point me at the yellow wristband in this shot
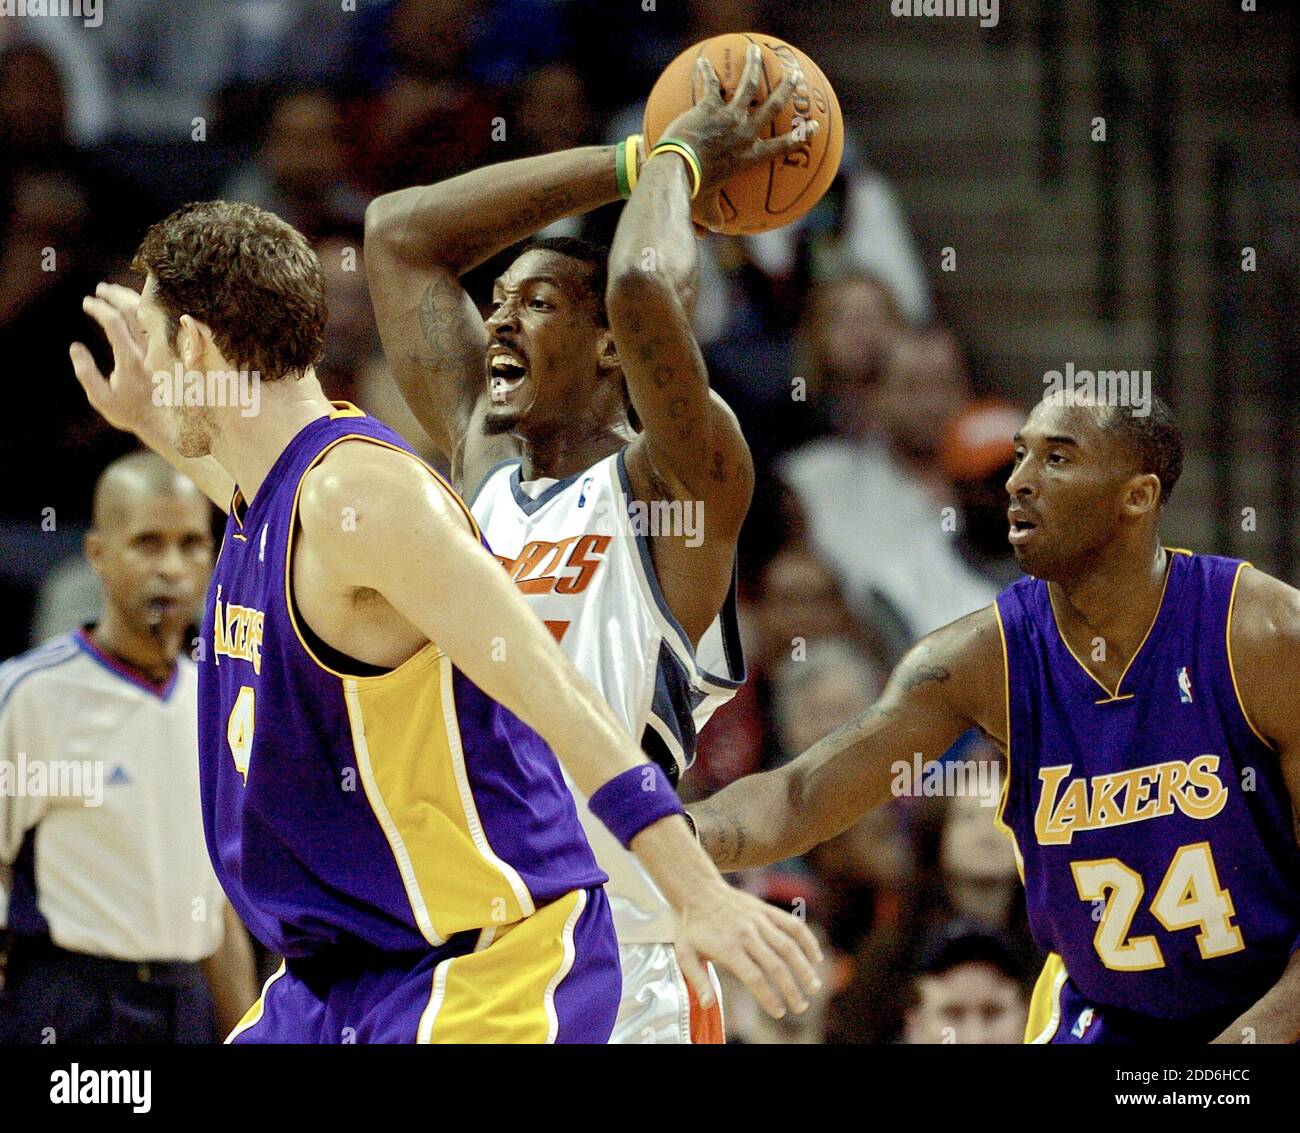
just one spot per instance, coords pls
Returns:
(632, 148)
(685, 151)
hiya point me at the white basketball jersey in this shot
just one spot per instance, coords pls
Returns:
(579, 551)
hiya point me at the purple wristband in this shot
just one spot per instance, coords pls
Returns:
(630, 802)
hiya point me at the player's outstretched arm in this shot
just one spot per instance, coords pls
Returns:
(1265, 641)
(409, 541)
(691, 446)
(125, 398)
(949, 681)
(419, 241)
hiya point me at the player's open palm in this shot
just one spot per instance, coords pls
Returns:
(729, 137)
(769, 951)
(124, 398)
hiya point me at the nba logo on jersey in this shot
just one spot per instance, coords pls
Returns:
(1184, 686)
(1084, 1021)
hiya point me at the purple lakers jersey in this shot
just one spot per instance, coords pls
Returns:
(1153, 826)
(346, 806)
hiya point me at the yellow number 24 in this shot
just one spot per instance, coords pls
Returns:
(1189, 897)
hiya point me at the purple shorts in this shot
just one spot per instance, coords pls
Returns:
(550, 978)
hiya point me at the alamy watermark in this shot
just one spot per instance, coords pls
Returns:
(23, 778)
(1129, 389)
(89, 12)
(954, 778)
(985, 10)
(221, 388)
(678, 519)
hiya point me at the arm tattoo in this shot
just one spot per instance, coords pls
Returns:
(443, 328)
(921, 674)
(721, 834)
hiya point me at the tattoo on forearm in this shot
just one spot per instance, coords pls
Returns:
(722, 835)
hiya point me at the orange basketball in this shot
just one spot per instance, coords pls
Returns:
(774, 194)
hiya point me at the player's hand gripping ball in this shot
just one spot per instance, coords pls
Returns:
(765, 187)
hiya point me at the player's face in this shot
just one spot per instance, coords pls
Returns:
(541, 363)
(154, 560)
(1067, 488)
(974, 1004)
(193, 427)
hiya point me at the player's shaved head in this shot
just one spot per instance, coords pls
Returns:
(136, 476)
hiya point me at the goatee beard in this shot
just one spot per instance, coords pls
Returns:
(497, 426)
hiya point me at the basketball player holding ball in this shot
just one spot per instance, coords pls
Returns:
(532, 403)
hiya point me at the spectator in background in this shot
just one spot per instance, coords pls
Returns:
(428, 120)
(351, 338)
(875, 493)
(968, 989)
(75, 50)
(848, 327)
(819, 688)
(302, 169)
(551, 110)
(44, 270)
(965, 870)
(353, 367)
(977, 455)
(35, 139)
(168, 59)
(796, 604)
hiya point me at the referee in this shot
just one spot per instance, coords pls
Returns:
(114, 926)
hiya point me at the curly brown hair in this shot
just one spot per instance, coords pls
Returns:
(246, 274)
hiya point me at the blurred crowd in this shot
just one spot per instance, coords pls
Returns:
(880, 513)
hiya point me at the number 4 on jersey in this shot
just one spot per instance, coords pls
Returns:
(239, 730)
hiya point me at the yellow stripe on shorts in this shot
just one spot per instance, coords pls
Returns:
(505, 991)
(253, 1015)
(1045, 1004)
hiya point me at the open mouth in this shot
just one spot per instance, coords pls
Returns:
(506, 372)
(1022, 528)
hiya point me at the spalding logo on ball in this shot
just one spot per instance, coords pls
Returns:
(774, 194)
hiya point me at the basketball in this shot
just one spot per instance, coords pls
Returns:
(766, 196)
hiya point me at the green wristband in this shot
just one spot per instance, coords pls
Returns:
(620, 170)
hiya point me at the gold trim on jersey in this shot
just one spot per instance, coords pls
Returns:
(1045, 1004)
(1232, 669)
(999, 821)
(1112, 697)
(292, 540)
(345, 409)
(406, 741)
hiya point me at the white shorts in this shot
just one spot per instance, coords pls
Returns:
(658, 1005)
